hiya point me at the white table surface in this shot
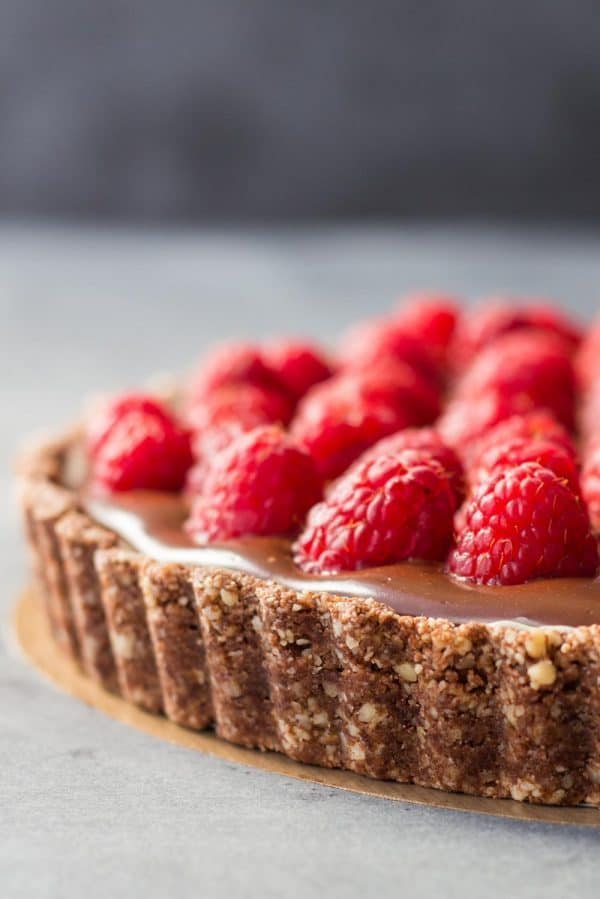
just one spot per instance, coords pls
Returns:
(89, 808)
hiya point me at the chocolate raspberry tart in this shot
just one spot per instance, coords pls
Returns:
(384, 561)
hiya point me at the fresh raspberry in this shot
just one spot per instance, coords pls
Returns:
(235, 362)
(385, 510)
(142, 451)
(370, 341)
(466, 420)
(431, 317)
(590, 485)
(499, 317)
(544, 317)
(530, 364)
(342, 417)
(524, 523)
(245, 405)
(532, 426)
(262, 484)
(587, 360)
(106, 414)
(297, 364)
(522, 449)
(429, 442)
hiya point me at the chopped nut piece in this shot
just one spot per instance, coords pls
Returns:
(406, 671)
(366, 712)
(229, 597)
(535, 644)
(542, 674)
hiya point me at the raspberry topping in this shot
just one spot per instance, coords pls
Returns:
(524, 523)
(242, 405)
(499, 317)
(529, 365)
(236, 362)
(385, 510)
(370, 341)
(536, 425)
(426, 439)
(521, 449)
(106, 414)
(262, 484)
(467, 419)
(431, 317)
(143, 450)
(298, 365)
(339, 419)
(371, 434)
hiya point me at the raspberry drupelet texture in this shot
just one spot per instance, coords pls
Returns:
(534, 426)
(262, 484)
(429, 441)
(339, 419)
(143, 450)
(384, 510)
(523, 523)
(521, 449)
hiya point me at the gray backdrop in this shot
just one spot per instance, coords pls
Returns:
(263, 109)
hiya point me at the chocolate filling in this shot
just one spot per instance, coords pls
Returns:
(152, 524)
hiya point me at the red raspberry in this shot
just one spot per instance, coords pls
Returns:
(431, 317)
(590, 485)
(245, 405)
(342, 417)
(498, 317)
(370, 341)
(532, 365)
(466, 419)
(524, 523)
(383, 511)
(514, 452)
(104, 416)
(297, 364)
(142, 451)
(587, 361)
(235, 362)
(262, 484)
(429, 442)
(533, 426)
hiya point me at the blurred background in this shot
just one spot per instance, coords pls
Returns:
(277, 110)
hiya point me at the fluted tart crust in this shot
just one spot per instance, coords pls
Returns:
(489, 709)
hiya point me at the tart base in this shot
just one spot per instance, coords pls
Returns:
(32, 632)
(495, 711)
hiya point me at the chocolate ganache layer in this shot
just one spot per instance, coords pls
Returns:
(152, 523)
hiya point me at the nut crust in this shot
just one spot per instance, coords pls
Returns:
(491, 710)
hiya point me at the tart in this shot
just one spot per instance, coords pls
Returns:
(352, 561)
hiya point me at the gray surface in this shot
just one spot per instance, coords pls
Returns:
(271, 109)
(91, 808)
